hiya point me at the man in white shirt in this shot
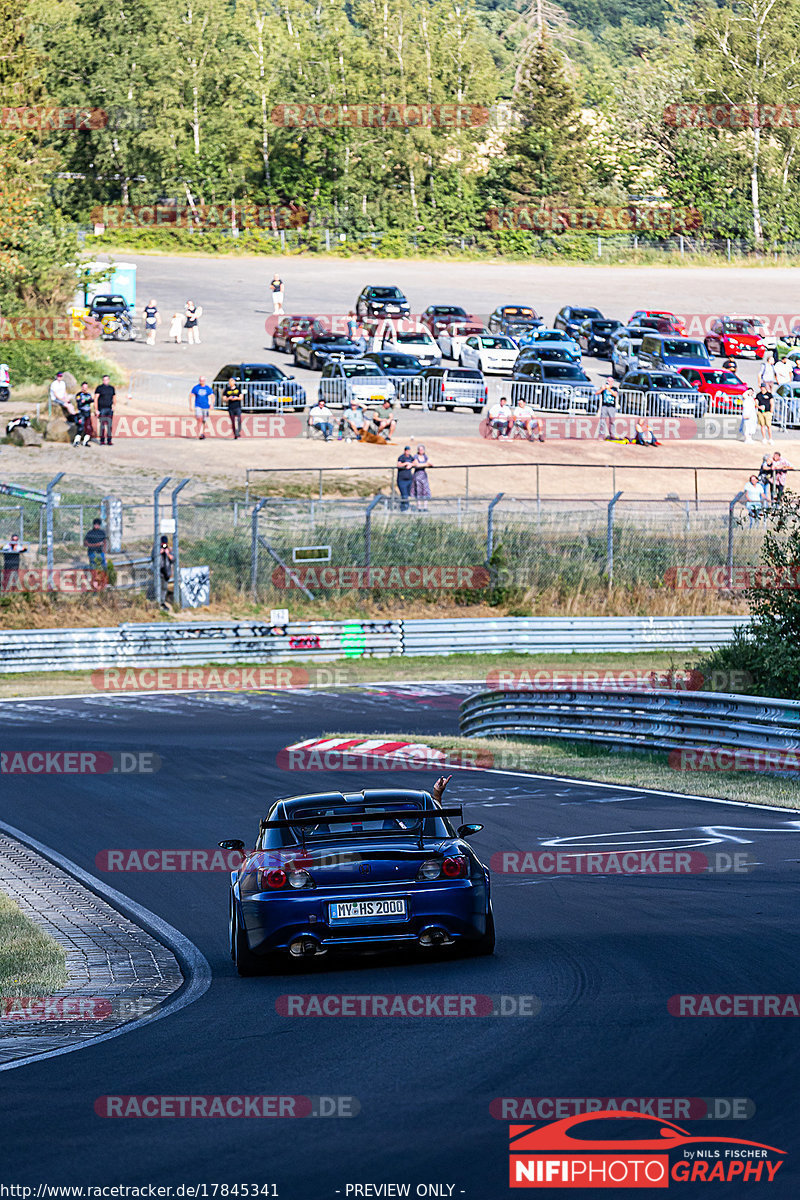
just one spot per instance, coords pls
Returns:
(501, 418)
(526, 419)
(783, 371)
(58, 391)
(321, 417)
(755, 497)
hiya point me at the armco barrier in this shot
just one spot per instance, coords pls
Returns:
(657, 720)
(189, 644)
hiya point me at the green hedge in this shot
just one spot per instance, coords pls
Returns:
(36, 362)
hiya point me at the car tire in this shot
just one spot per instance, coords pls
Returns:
(247, 963)
(477, 409)
(449, 407)
(486, 942)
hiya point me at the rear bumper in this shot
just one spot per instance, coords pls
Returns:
(274, 921)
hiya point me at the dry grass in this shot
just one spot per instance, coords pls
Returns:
(639, 770)
(32, 963)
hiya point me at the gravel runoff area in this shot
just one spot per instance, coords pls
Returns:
(233, 293)
(117, 971)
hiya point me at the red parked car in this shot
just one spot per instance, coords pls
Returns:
(723, 388)
(731, 337)
(673, 324)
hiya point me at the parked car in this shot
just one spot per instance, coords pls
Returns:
(402, 369)
(359, 379)
(625, 356)
(319, 346)
(570, 319)
(723, 389)
(489, 353)
(634, 331)
(667, 322)
(452, 338)
(418, 342)
(660, 394)
(374, 301)
(514, 320)
(668, 351)
(266, 387)
(548, 353)
(733, 337)
(448, 387)
(554, 338)
(291, 329)
(439, 316)
(552, 385)
(594, 336)
(114, 317)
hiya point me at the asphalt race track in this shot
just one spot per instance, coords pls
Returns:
(603, 955)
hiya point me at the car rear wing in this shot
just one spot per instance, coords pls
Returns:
(379, 814)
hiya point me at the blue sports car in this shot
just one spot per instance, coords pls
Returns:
(350, 871)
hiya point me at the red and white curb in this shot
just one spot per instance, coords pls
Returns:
(370, 754)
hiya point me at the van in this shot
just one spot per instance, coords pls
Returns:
(665, 351)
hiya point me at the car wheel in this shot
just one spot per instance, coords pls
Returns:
(449, 407)
(486, 943)
(247, 963)
(477, 409)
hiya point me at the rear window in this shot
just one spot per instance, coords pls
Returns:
(465, 374)
(361, 368)
(669, 381)
(554, 370)
(605, 326)
(265, 374)
(362, 819)
(449, 310)
(581, 314)
(553, 354)
(739, 327)
(399, 360)
(412, 337)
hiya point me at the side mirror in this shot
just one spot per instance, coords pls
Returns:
(290, 376)
(232, 844)
(465, 831)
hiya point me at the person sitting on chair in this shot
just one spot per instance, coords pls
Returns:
(320, 417)
(381, 421)
(644, 434)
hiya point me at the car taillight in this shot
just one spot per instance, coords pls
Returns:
(274, 879)
(455, 866)
(300, 879)
(430, 869)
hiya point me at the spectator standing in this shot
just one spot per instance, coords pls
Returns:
(755, 498)
(783, 371)
(95, 543)
(152, 320)
(11, 556)
(405, 477)
(420, 484)
(104, 395)
(276, 287)
(729, 365)
(166, 559)
(58, 391)
(501, 418)
(232, 397)
(764, 413)
(779, 466)
(193, 315)
(766, 372)
(795, 371)
(176, 329)
(352, 326)
(321, 417)
(749, 415)
(200, 399)
(608, 409)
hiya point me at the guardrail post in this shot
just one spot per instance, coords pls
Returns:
(610, 539)
(49, 506)
(177, 598)
(254, 547)
(156, 543)
(368, 530)
(731, 519)
(490, 527)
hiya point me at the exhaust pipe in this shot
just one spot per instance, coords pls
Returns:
(306, 946)
(435, 935)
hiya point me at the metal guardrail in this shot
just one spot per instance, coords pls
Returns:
(194, 643)
(644, 720)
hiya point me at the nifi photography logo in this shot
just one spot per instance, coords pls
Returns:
(588, 1151)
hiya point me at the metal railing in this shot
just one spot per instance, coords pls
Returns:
(194, 643)
(643, 720)
(265, 396)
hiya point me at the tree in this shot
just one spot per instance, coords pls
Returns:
(546, 151)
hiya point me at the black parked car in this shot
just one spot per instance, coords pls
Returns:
(266, 387)
(114, 317)
(594, 336)
(570, 319)
(382, 302)
(514, 320)
(660, 394)
(319, 346)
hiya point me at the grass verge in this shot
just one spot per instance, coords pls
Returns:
(32, 963)
(636, 769)
(351, 672)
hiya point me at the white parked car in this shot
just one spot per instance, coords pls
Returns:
(419, 342)
(451, 339)
(489, 352)
(359, 379)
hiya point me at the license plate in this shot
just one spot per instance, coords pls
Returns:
(367, 910)
(377, 397)
(285, 399)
